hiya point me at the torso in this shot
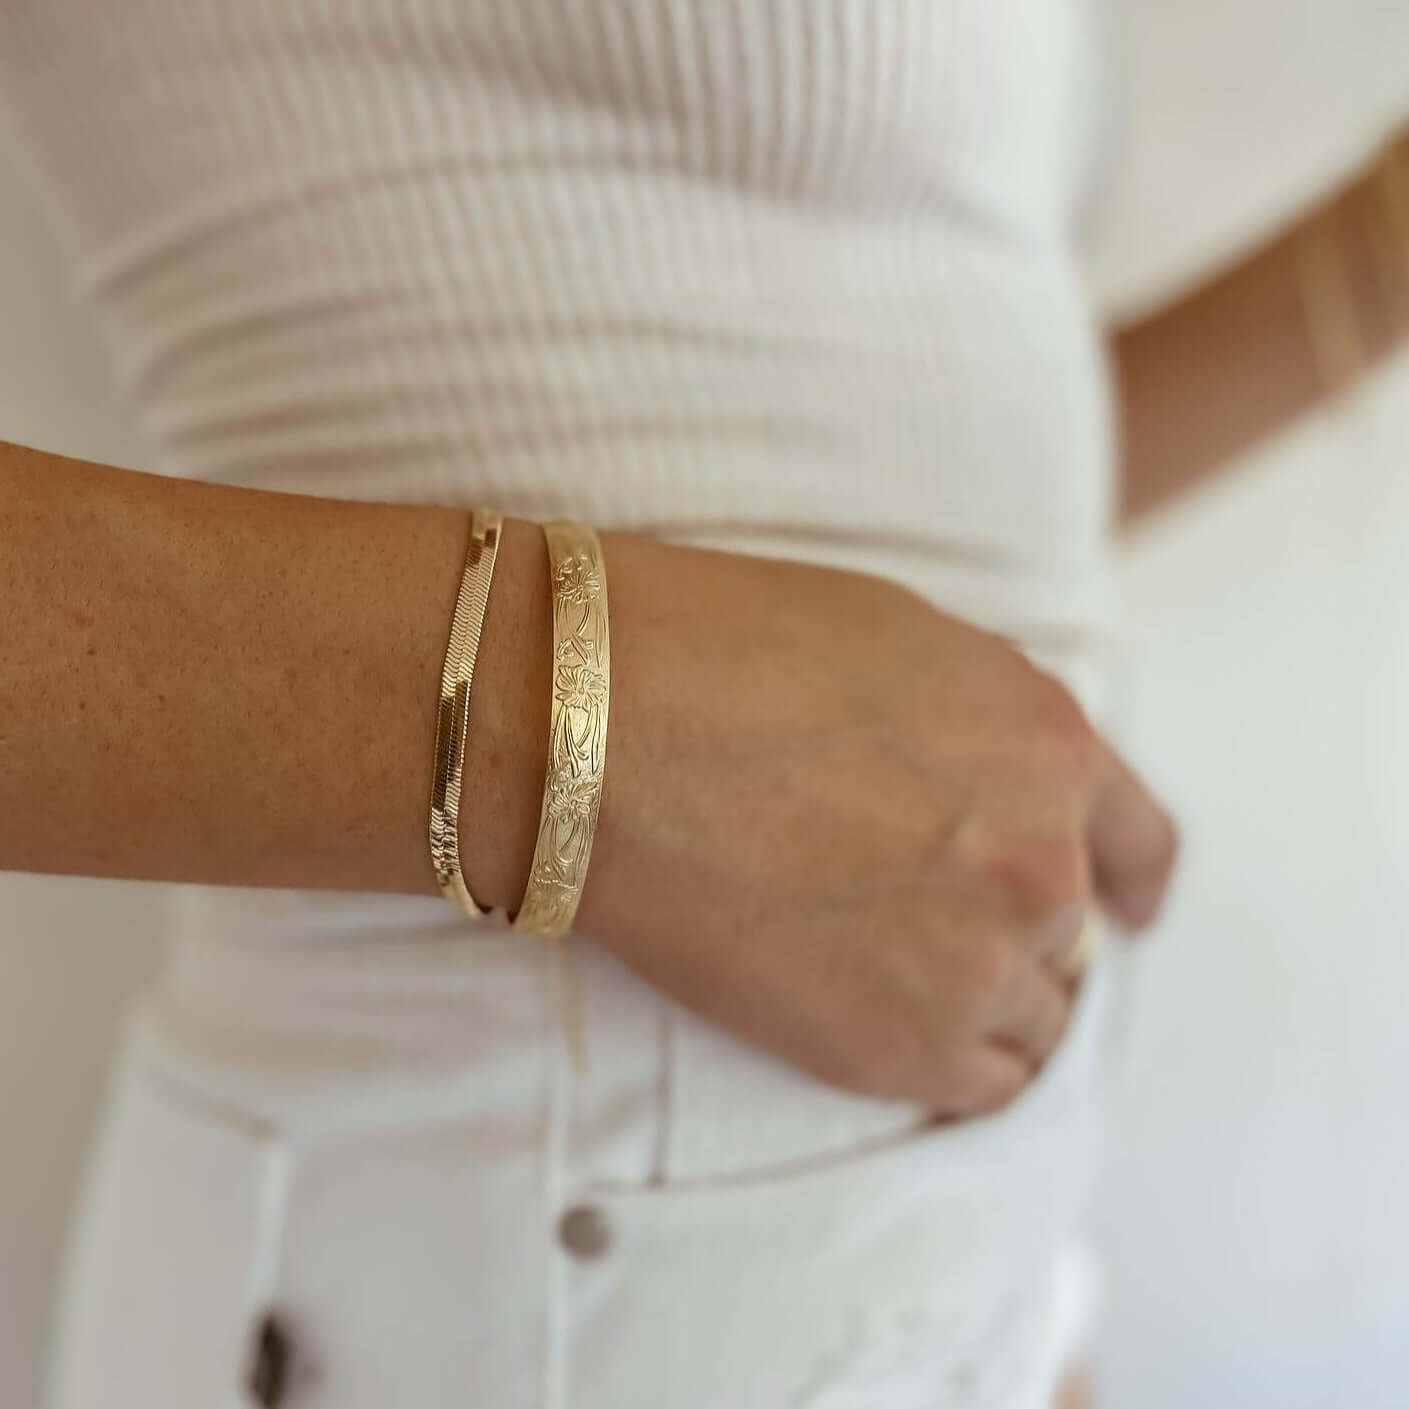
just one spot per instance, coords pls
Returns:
(792, 278)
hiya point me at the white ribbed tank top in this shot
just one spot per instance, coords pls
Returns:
(791, 277)
(787, 276)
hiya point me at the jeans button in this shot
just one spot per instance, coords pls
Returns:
(584, 1231)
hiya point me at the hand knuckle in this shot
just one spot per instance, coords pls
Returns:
(1043, 871)
(1062, 723)
(1046, 875)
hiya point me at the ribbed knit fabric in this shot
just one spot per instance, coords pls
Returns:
(791, 276)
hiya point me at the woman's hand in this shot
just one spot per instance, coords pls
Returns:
(846, 826)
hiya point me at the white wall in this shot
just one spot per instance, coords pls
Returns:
(1253, 1218)
(1235, 114)
(1254, 1215)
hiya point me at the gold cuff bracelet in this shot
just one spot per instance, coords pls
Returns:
(577, 742)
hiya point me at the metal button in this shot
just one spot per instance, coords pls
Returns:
(585, 1231)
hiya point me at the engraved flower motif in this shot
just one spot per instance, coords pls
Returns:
(576, 579)
(552, 878)
(555, 905)
(554, 894)
(579, 685)
(570, 795)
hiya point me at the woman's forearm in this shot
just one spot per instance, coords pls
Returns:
(1265, 341)
(1211, 376)
(206, 683)
(843, 824)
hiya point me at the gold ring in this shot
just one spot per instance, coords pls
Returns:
(1088, 941)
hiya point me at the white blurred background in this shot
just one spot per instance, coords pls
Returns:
(1254, 1218)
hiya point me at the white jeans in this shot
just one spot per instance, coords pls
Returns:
(390, 1148)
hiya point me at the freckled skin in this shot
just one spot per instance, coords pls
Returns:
(204, 683)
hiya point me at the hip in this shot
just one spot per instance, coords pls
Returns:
(440, 1205)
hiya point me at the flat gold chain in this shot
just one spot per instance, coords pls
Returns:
(452, 717)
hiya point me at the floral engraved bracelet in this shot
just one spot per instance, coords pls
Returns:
(577, 741)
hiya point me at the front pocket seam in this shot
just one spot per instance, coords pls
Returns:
(272, 1156)
(804, 1167)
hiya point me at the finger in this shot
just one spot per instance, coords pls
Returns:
(1036, 1007)
(1133, 845)
(986, 1078)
